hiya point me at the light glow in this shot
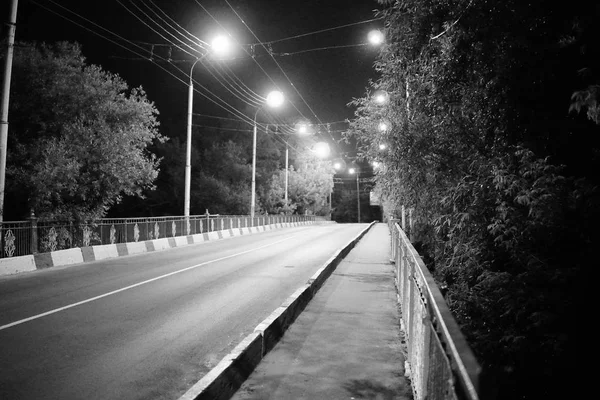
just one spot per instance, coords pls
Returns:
(275, 99)
(221, 45)
(375, 37)
(322, 149)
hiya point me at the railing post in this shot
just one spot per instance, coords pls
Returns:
(33, 229)
(403, 219)
(410, 224)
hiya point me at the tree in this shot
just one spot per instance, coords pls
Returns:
(309, 186)
(78, 135)
(483, 148)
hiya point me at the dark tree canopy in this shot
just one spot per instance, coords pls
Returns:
(493, 141)
(78, 135)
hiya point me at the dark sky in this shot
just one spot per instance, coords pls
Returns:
(324, 81)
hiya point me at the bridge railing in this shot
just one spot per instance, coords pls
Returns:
(441, 363)
(18, 238)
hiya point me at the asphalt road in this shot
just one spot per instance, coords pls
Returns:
(149, 326)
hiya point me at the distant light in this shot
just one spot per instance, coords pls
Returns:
(375, 164)
(383, 126)
(275, 99)
(339, 164)
(302, 129)
(221, 45)
(382, 146)
(322, 149)
(381, 97)
(352, 171)
(375, 37)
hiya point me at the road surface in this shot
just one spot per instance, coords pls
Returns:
(149, 326)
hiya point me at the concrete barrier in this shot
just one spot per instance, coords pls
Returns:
(15, 265)
(66, 257)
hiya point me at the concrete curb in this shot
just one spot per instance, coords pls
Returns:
(225, 379)
(32, 262)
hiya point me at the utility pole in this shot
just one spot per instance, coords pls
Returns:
(10, 41)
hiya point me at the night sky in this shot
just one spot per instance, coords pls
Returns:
(324, 81)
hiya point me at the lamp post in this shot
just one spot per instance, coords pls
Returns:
(355, 171)
(219, 46)
(274, 99)
(4, 99)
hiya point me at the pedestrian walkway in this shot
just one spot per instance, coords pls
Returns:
(346, 344)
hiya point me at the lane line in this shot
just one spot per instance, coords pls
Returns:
(137, 284)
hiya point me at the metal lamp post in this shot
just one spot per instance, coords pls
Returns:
(220, 45)
(274, 99)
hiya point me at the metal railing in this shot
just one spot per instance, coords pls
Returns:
(441, 363)
(18, 238)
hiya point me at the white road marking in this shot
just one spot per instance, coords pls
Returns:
(136, 285)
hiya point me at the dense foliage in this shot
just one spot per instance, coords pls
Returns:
(493, 141)
(83, 145)
(309, 185)
(78, 136)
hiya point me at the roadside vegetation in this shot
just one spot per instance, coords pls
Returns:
(493, 139)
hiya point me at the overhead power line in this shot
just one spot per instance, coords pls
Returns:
(320, 31)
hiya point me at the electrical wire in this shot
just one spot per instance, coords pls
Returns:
(241, 94)
(234, 39)
(196, 52)
(318, 49)
(320, 31)
(195, 38)
(226, 106)
(280, 68)
(241, 117)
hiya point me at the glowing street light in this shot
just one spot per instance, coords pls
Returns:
(382, 146)
(381, 97)
(303, 127)
(383, 126)
(220, 46)
(322, 150)
(274, 99)
(375, 37)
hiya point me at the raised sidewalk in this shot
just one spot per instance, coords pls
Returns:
(346, 344)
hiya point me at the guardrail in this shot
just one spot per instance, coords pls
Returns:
(441, 363)
(18, 238)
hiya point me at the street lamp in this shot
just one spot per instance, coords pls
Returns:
(381, 97)
(219, 46)
(274, 99)
(355, 171)
(302, 128)
(375, 37)
(383, 126)
(322, 149)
